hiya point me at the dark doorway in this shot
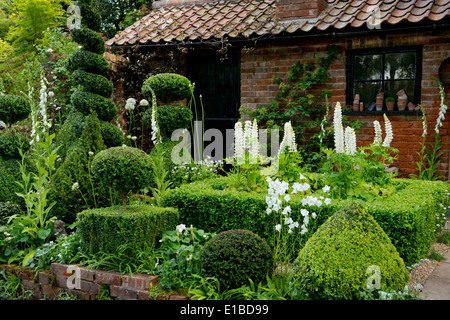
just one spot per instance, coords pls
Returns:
(218, 81)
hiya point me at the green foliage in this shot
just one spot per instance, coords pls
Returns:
(112, 135)
(69, 134)
(13, 108)
(10, 173)
(140, 226)
(73, 187)
(234, 256)
(170, 118)
(87, 102)
(168, 87)
(89, 39)
(444, 237)
(179, 255)
(408, 215)
(333, 262)
(90, 17)
(11, 143)
(11, 287)
(9, 209)
(124, 169)
(89, 62)
(31, 18)
(93, 83)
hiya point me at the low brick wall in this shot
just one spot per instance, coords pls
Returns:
(86, 283)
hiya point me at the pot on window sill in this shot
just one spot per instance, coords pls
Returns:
(390, 105)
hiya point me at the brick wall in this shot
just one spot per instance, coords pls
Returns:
(269, 60)
(122, 287)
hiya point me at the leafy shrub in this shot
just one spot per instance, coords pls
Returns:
(124, 169)
(10, 173)
(89, 39)
(141, 226)
(89, 62)
(13, 108)
(112, 135)
(235, 256)
(170, 118)
(72, 186)
(408, 216)
(167, 87)
(70, 132)
(87, 102)
(334, 261)
(11, 143)
(93, 83)
(8, 209)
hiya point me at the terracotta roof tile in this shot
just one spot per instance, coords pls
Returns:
(185, 20)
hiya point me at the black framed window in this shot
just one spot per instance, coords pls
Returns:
(388, 70)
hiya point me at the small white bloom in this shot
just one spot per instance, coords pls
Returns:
(326, 188)
(75, 186)
(144, 102)
(180, 228)
(278, 227)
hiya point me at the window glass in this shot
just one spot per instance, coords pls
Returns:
(400, 65)
(368, 67)
(368, 92)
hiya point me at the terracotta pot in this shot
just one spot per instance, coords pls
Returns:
(356, 102)
(361, 106)
(390, 105)
(401, 102)
(379, 101)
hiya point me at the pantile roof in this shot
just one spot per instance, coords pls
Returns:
(214, 20)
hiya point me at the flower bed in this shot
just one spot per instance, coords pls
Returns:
(409, 216)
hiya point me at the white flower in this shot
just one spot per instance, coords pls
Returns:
(327, 201)
(49, 50)
(133, 138)
(239, 141)
(287, 197)
(389, 135)
(326, 188)
(286, 210)
(75, 186)
(278, 227)
(378, 139)
(254, 141)
(442, 109)
(90, 153)
(288, 139)
(51, 94)
(130, 104)
(143, 103)
(180, 228)
(350, 141)
(156, 138)
(302, 177)
(304, 212)
(338, 129)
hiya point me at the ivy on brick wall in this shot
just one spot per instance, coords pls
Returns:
(303, 100)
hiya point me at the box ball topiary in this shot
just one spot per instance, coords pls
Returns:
(125, 169)
(167, 87)
(89, 62)
(89, 39)
(14, 108)
(335, 261)
(170, 118)
(93, 83)
(112, 135)
(234, 256)
(86, 103)
(10, 144)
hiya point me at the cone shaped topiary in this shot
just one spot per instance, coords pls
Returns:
(337, 261)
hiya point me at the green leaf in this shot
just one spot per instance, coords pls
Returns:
(28, 257)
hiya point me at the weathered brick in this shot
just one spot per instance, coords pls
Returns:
(139, 281)
(48, 291)
(45, 278)
(122, 293)
(109, 277)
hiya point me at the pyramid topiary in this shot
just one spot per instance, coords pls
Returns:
(336, 262)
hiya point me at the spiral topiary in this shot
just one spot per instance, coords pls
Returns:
(235, 256)
(112, 135)
(334, 262)
(170, 118)
(167, 87)
(124, 169)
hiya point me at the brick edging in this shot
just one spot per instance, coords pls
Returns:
(87, 286)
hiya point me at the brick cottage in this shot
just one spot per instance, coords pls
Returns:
(400, 46)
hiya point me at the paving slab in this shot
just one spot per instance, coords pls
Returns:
(437, 286)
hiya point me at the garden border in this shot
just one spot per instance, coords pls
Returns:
(47, 285)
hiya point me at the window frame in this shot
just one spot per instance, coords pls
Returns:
(350, 82)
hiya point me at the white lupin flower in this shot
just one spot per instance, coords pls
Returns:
(288, 139)
(389, 134)
(350, 141)
(338, 129)
(254, 141)
(239, 141)
(378, 139)
(156, 138)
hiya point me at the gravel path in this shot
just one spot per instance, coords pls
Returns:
(424, 268)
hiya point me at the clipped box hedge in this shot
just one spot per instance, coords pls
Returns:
(408, 217)
(140, 226)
